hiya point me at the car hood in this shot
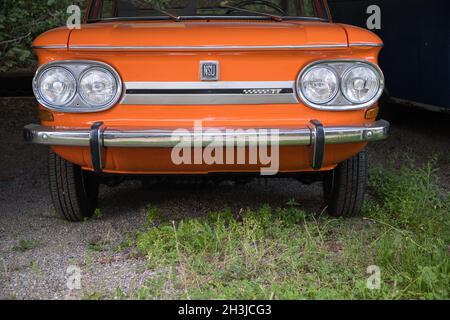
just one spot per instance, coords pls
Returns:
(179, 34)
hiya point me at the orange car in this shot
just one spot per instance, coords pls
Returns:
(188, 87)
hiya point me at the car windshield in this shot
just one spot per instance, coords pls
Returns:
(197, 9)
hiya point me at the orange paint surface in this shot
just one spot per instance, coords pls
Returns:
(148, 65)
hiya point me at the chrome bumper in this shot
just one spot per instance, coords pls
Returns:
(99, 137)
(168, 138)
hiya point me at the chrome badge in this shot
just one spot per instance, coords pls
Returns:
(263, 91)
(209, 70)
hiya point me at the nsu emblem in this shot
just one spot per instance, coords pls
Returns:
(209, 70)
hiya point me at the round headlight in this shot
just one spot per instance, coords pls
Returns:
(319, 85)
(56, 86)
(361, 84)
(98, 87)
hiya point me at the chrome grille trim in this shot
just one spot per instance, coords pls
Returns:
(366, 44)
(205, 48)
(209, 93)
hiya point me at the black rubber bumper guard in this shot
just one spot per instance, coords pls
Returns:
(317, 143)
(96, 146)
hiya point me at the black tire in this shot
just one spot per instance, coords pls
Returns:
(74, 191)
(345, 187)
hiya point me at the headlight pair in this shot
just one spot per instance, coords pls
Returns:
(77, 86)
(340, 85)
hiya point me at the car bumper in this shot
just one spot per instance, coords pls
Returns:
(122, 138)
(99, 137)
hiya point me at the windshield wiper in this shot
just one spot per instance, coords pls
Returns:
(167, 13)
(224, 5)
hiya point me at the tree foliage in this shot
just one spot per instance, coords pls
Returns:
(23, 20)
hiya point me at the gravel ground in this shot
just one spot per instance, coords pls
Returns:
(36, 247)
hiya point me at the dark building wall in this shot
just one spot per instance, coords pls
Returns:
(416, 56)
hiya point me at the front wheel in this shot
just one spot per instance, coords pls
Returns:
(74, 191)
(345, 187)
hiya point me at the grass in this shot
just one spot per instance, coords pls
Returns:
(285, 253)
(98, 214)
(25, 245)
(92, 296)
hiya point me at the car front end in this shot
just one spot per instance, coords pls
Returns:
(119, 95)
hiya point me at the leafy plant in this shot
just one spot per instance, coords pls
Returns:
(285, 253)
(21, 21)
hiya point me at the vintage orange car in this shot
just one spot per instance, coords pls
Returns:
(185, 87)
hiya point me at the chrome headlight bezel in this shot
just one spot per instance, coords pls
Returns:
(344, 84)
(82, 94)
(341, 67)
(78, 68)
(335, 92)
(37, 88)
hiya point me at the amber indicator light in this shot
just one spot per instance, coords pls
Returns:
(45, 115)
(372, 113)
